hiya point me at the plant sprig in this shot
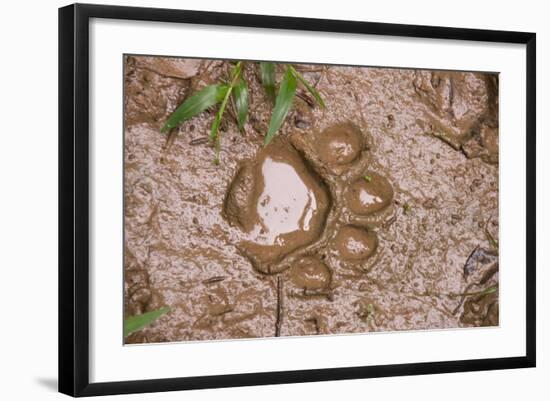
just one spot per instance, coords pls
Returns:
(237, 90)
(214, 134)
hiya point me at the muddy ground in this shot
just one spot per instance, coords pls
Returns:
(378, 213)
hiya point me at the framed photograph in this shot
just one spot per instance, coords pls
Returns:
(310, 200)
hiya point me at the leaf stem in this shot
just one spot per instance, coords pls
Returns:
(486, 291)
(215, 125)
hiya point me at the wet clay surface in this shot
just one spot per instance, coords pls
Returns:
(373, 214)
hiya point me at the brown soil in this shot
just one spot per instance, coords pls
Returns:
(373, 214)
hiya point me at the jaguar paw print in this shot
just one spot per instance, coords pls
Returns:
(313, 199)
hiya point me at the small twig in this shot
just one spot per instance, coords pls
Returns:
(205, 69)
(447, 139)
(462, 298)
(170, 140)
(306, 99)
(317, 81)
(478, 255)
(163, 74)
(468, 264)
(307, 70)
(199, 141)
(279, 321)
(212, 280)
(389, 222)
(224, 311)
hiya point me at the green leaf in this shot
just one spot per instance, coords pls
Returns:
(267, 73)
(196, 104)
(286, 94)
(490, 290)
(135, 323)
(240, 94)
(309, 87)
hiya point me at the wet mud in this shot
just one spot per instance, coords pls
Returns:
(378, 213)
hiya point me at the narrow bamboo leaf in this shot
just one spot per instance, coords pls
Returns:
(287, 90)
(135, 323)
(240, 95)
(267, 72)
(309, 87)
(195, 104)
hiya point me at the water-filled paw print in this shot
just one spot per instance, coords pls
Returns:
(312, 203)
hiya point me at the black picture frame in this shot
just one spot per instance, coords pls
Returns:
(74, 198)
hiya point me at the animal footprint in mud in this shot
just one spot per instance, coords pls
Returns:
(339, 145)
(355, 243)
(369, 194)
(310, 273)
(308, 196)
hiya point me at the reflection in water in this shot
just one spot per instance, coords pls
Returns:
(342, 149)
(286, 204)
(368, 199)
(354, 246)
